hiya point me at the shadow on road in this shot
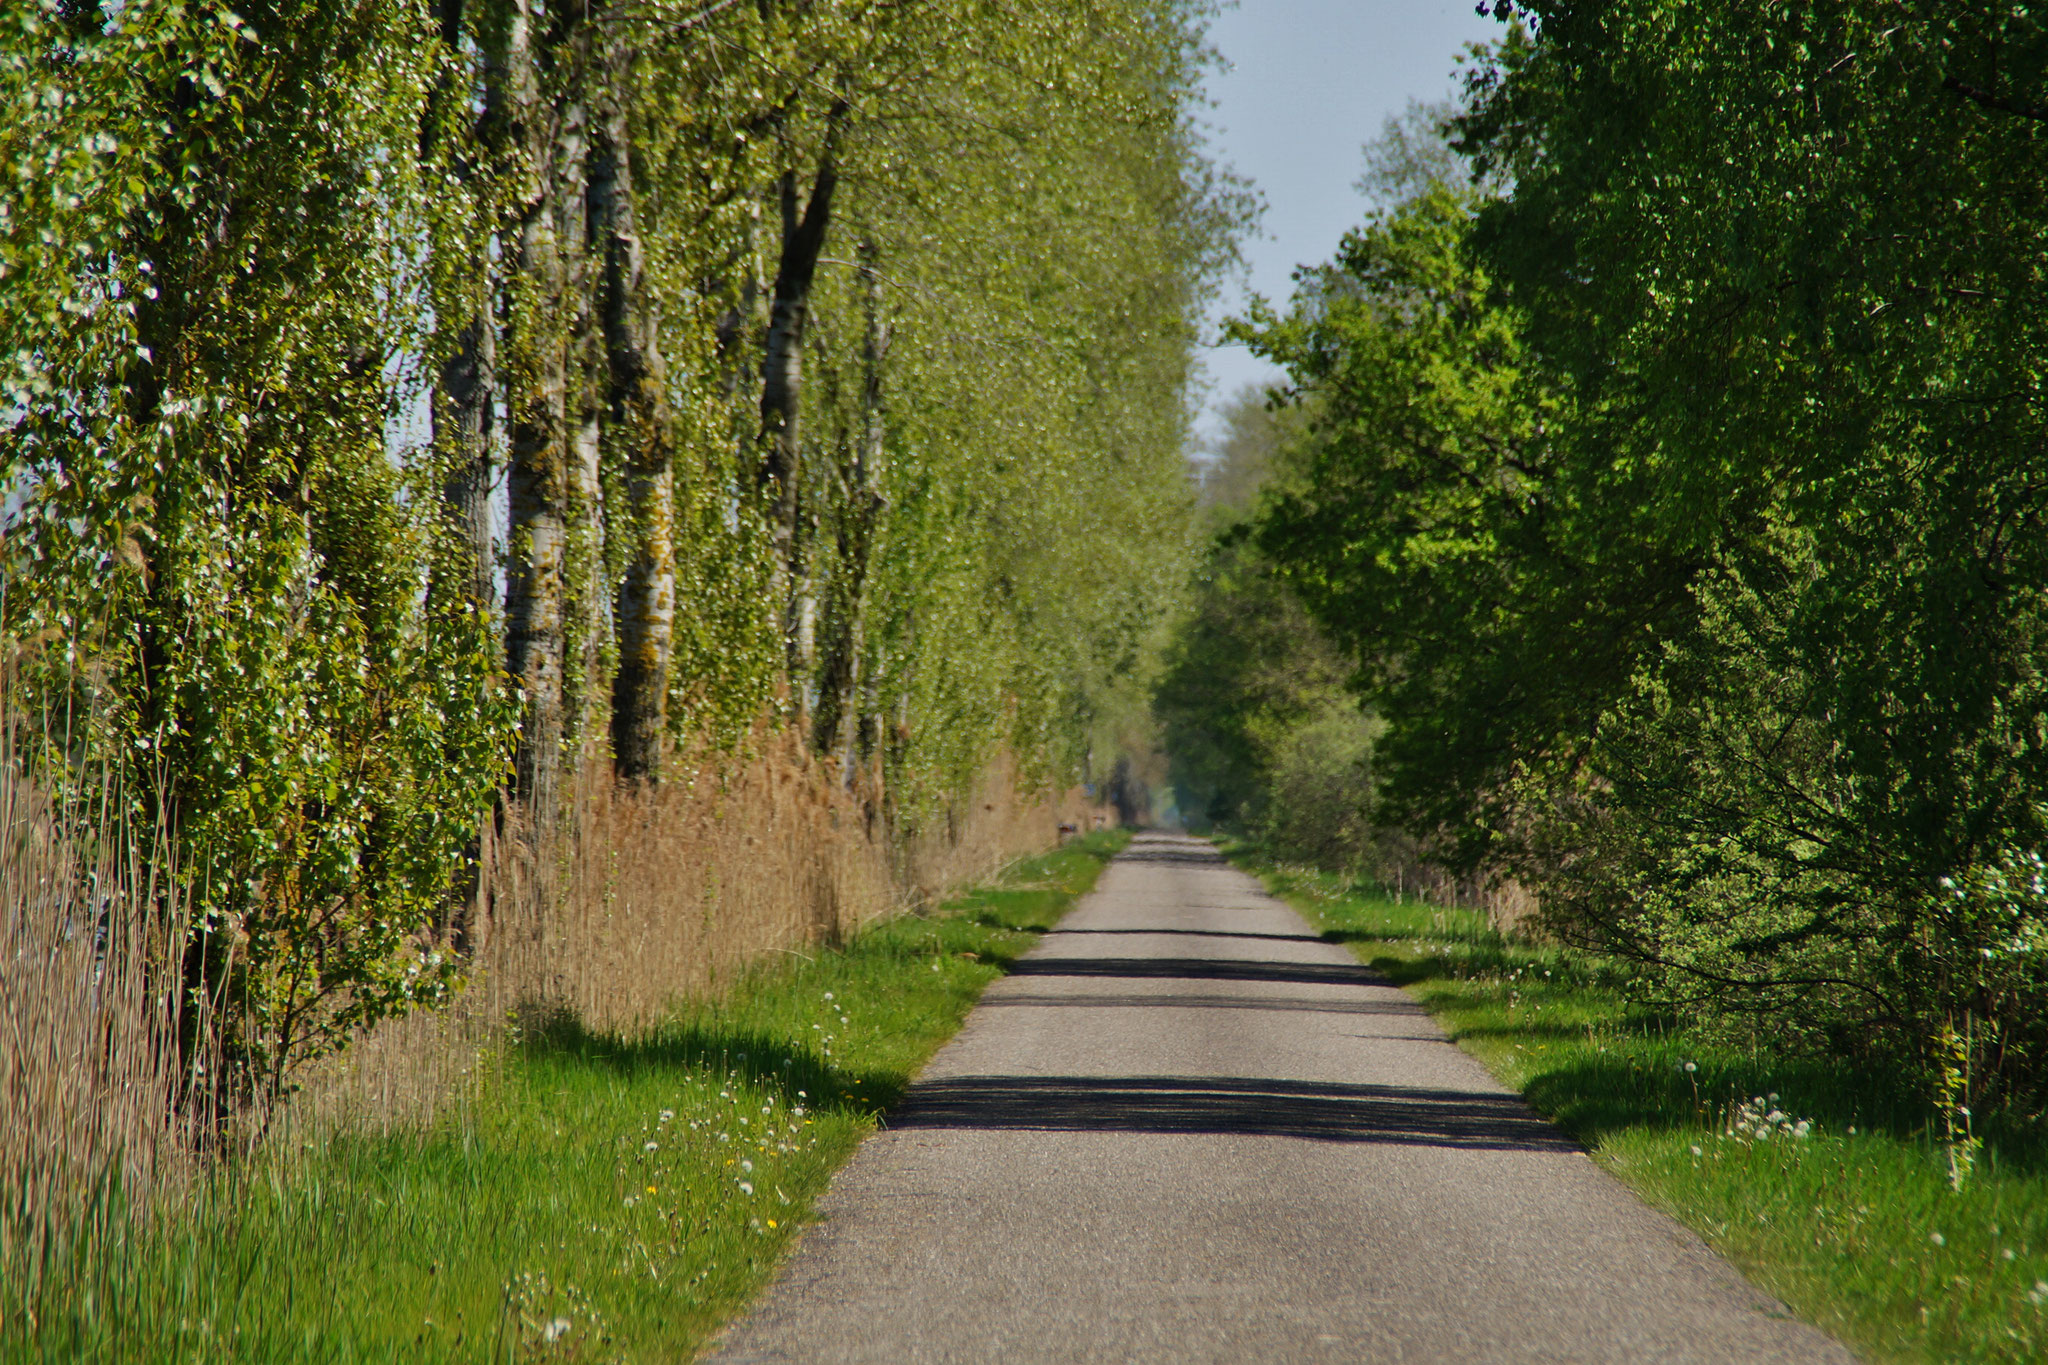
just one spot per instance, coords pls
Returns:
(1201, 933)
(1320, 1111)
(1397, 1008)
(1202, 969)
(1189, 854)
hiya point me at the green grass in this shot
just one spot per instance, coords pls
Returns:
(604, 1199)
(1855, 1225)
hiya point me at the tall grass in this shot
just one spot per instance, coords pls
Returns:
(90, 1068)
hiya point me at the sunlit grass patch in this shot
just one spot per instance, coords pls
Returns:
(1825, 1181)
(604, 1197)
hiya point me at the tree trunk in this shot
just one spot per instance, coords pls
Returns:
(839, 723)
(585, 598)
(803, 241)
(462, 428)
(536, 395)
(643, 451)
(461, 410)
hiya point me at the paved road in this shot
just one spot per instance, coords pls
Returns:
(1186, 1129)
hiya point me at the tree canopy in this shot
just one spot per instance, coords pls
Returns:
(404, 403)
(1677, 495)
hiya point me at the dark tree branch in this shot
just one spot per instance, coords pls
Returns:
(2002, 103)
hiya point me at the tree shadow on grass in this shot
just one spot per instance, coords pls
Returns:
(1593, 1096)
(1574, 1032)
(1590, 1097)
(1350, 936)
(714, 1049)
(1404, 971)
(1202, 969)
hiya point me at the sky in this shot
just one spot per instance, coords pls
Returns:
(1303, 85)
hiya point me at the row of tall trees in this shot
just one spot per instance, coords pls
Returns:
(1263, 733)
(403, 403)
(1680, 504)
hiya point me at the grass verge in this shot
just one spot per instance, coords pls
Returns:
(603, 1199)
(1823, 1182)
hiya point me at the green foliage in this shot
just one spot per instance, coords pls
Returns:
(1681, 506)
(237, 247)
(1263, 730)
(219, 569)
(1416, 503)
(1036, 267)
(1823, 387)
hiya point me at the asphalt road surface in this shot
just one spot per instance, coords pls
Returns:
(1185, 1129)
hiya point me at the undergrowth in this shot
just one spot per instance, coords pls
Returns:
(1829, 1184)
(606, 1197)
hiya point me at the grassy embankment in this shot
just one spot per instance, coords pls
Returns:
(1854, 1224)
(602, 1198)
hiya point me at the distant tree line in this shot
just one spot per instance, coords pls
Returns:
(406, 404)
(1678, 495)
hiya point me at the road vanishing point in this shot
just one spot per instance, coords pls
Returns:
(1185, 1128)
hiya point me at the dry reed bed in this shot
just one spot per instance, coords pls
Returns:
(649, 897)
(89, 1067)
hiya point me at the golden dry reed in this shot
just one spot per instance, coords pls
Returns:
(645, 897)
(90, 1120)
